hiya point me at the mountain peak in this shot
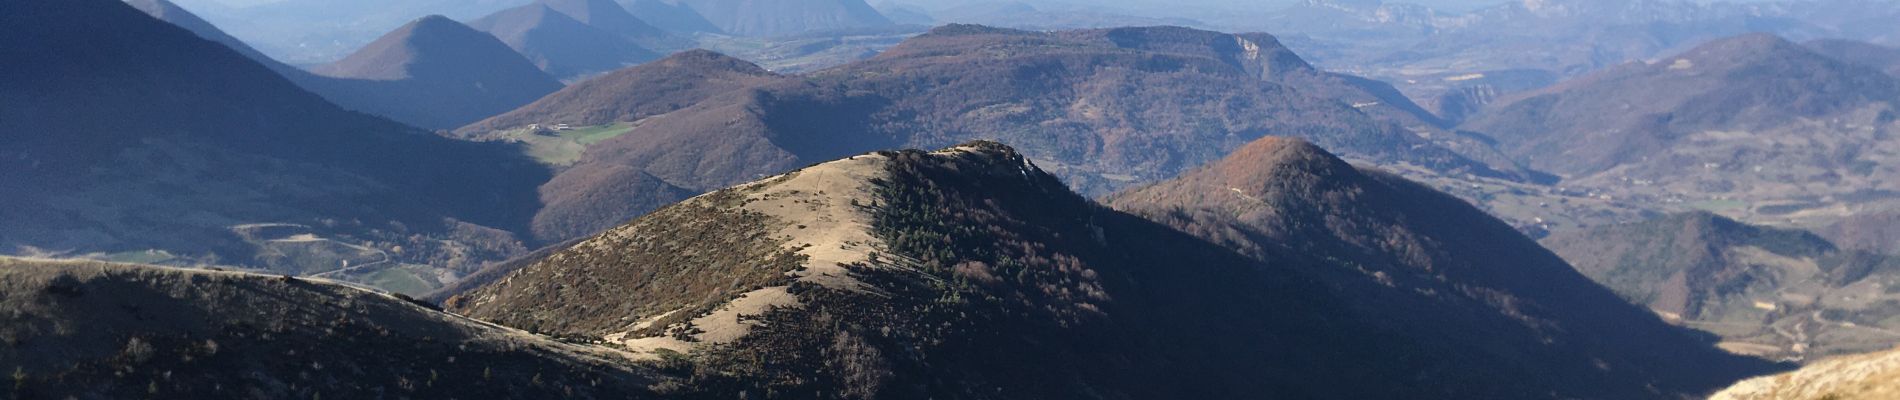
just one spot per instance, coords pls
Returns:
(708, 60)
(1743, 49)
(971, 29)
(1270, 159)
(1388, 239)
(436, 57)
(435, 21)
(563, 45)
(393, 55)
(606, 15)
(984, 147)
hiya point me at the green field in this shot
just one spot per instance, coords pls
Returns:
(140, 257)
(565, 147)
(1719, 205)
(401, 280)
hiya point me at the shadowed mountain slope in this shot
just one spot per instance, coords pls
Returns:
(1433, 266)
(97, 330)
(662, 86)
(193, 140)
(472, 83)
(166, 11)
(436, 58)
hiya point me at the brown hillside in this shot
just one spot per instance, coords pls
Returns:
(1103, 109)
(1437, 268)
(914, 274)
(662, 86)
(1873, 231)
(1754, 83)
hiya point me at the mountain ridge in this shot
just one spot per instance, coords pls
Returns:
(434, 57)
(1433, 266)
(922, 263)
(384, 97)
(1092, 105)
(560, 44)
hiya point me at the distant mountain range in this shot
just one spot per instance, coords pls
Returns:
(449, 73)
(196, 154)
(1761, 127)
(562, 45)
(443, 79)
(1044, 16)
(607, 16)
(310, 32)
(1105, 109)
(785, 17)
(671, 15)
(1768, 291)
(1429, 53)
(306, 32)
